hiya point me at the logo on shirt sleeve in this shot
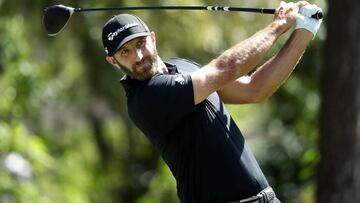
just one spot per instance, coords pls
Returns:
(179, 79)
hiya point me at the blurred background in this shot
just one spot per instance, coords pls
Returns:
(64, 131)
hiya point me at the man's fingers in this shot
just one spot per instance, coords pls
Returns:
(288, 9)
(301, 4)
(280, 6)
(279, 9)
(293, 8)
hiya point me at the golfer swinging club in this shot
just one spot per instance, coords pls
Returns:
(179, 104)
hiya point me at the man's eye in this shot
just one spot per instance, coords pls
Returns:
(124, 52)
(141, 43)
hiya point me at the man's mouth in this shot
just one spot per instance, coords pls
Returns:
(143, 65)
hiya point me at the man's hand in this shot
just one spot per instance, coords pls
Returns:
(304, 20)
(285, 15)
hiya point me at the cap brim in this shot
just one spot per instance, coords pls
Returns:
(128, 38)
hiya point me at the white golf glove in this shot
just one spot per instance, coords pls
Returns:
(304, 20)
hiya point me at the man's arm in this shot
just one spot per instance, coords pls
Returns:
(243, 57)
(268, 78)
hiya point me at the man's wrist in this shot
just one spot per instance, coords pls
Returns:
(276, 28)
(304, 32)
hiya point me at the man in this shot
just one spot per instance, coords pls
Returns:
(179, 105)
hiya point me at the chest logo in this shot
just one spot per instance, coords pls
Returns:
(179, 79)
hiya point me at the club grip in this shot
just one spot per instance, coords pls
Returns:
(318, 15)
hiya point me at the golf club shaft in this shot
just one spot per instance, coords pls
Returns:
(208, 8)
(318, 15)
(57, 16)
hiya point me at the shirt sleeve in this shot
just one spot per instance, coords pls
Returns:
(165, 101)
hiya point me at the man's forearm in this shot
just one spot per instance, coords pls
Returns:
(239, 60)
(274, 72)
(243, 57)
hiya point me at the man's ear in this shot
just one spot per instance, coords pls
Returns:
(153, 37)
(111, 60)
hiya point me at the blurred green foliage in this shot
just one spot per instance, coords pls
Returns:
(63, 113)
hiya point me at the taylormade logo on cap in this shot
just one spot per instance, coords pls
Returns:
(121, 29)
(111, 35)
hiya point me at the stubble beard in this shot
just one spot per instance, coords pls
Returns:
(149, 67)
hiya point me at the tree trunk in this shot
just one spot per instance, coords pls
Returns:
(339, 169)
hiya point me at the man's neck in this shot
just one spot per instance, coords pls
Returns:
(161, 67)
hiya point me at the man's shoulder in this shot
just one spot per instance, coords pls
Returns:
(184, 65)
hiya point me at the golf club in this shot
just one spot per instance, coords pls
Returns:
(56, 17)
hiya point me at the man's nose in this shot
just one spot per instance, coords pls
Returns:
(139, 55)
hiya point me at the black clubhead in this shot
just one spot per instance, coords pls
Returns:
(56, 17)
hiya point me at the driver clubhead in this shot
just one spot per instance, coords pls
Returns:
(56, 17)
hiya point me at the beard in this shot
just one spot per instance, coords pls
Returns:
(147, 64)
(144, 69)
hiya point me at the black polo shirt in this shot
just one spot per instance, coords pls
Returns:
(201, 144)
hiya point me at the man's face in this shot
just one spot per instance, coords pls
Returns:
(138, 57)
